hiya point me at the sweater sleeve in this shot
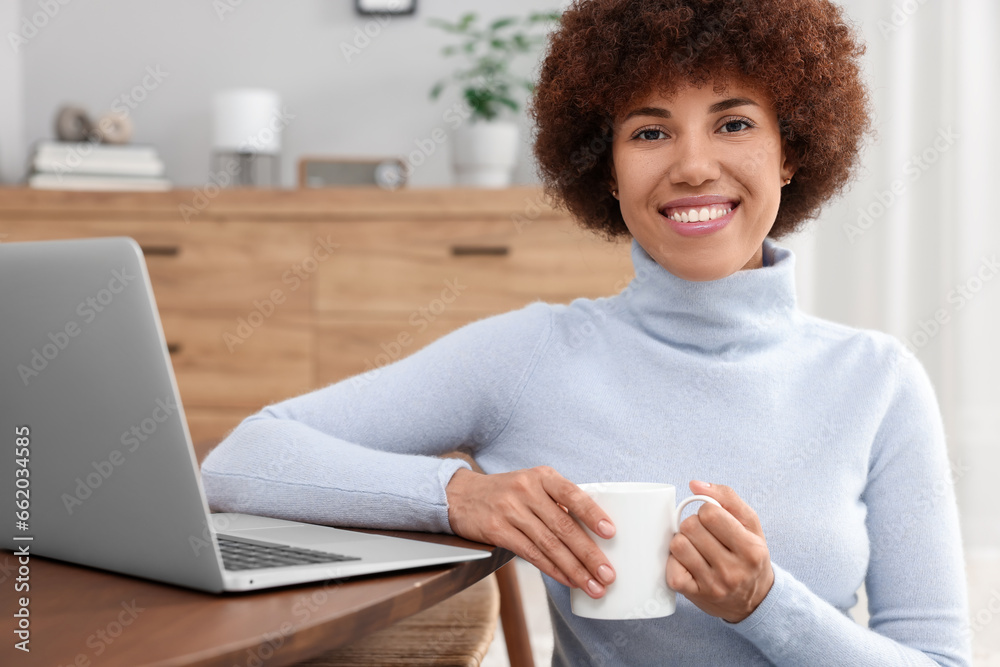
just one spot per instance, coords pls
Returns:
(363, 452)
(916, 574)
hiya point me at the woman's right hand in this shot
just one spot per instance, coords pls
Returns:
(527, 512)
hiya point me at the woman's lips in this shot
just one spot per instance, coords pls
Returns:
(699, 208)
(710, 218)
(702, 213)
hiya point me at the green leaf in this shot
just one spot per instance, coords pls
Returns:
(542, 17)
(466, 20)
(503, 23)
(485, 79)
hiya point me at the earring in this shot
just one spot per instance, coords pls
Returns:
(614, 193)
(787, 181)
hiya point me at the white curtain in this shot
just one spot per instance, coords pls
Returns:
(912, 248)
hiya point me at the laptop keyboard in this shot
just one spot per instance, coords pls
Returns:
(239, 555)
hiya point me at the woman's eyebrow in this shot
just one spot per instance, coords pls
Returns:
(715, 108)
(730, 103)
(647, 111)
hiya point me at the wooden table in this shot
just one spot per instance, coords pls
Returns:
(82, 616)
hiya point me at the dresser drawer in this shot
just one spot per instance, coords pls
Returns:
(470, 266)
(221, 362)
(208, 265)
(348, 346)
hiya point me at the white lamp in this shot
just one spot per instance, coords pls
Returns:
(246, 135)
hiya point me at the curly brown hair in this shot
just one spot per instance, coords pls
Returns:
(608, 54)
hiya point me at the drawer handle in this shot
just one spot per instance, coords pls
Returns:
(160, 250)
(491, 250)
(173, 348)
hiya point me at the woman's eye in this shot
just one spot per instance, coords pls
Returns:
(645, 134)
(735, 126)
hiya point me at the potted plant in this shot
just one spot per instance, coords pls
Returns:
(484, 149)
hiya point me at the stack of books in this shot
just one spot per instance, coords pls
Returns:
(59, 165)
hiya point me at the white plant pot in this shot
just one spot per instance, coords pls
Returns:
(484, 154)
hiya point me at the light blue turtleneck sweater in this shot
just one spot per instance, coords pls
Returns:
(831, 434)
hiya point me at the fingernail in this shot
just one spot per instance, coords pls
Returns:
(702, 483)
(606, 574)
(595, 587)
(605, 528)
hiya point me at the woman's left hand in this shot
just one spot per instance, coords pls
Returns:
(719, 559)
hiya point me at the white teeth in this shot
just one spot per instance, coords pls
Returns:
(702, 215)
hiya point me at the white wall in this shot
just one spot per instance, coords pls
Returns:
(92, 53)
(12, 154)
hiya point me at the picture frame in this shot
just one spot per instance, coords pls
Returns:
(385, 7)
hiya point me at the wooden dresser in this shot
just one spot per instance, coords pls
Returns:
(265, 294)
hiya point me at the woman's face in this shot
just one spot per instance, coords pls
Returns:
(699, 177)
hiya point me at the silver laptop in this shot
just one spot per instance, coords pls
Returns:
(96, 454)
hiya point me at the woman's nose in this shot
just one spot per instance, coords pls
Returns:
(692, 162)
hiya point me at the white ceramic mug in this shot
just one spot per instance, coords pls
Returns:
(646, 519)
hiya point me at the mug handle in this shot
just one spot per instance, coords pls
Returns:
(690, 499)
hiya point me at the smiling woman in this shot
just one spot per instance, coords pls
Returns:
(703, 130)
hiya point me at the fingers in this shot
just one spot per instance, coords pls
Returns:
(731, 502)
(579, 504)
(544, 498)
(721, 526)
(679, 577)
(698, 549)
(526, 549)
(572, 550)
(531, 512)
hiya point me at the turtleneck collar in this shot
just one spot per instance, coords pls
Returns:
(746, 310)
